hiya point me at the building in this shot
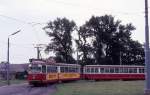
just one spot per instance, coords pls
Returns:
(15, 70)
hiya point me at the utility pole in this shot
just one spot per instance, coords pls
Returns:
(38, 47)
(8, 63)
(147, 52)
(8, 81)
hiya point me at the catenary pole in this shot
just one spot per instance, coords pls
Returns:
(147, 52)
(8, 82)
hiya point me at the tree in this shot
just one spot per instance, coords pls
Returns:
(110, 42)
(134, 54)
(119, 43)
(102, 30)
(84, 46)
(60, 31)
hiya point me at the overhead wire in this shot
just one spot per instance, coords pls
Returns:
(32, 24)
(96, 8)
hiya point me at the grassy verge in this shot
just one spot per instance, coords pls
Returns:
(4, 82)
(101, 88)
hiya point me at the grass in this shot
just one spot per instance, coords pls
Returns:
(101, 88)
(4, 82)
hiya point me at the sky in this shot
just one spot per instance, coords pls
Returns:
(30, 16)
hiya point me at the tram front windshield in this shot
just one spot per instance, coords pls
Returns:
(35, 68)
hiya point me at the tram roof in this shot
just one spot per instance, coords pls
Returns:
(114, 66)
(60, 64)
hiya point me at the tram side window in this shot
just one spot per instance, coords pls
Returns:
(135, 70)
(43, 69)
(132, 70)
(96, 70)
(77, 69)
(66, 69)
(72, 69)
(121, 70)
(102, 70)
(116, 70)
(125, 70)
(62, 69)
(141, 70)
(92, 70)
(111, 70)
(106, 70)
(51, 69)
(88, 70)
(48, 69)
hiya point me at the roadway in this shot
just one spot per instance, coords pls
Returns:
(25, 89)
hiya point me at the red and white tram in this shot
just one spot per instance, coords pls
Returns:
(113, 72)
(44, 72)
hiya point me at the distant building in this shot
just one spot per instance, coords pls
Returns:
(14, 69)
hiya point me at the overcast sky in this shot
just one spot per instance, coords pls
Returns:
(31, 15)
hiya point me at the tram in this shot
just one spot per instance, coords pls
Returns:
(113, 72)
(41, 72)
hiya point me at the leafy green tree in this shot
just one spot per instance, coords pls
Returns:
(60, 31)
(102, 30)
(110, 42)
(133, 54)
(84, 47)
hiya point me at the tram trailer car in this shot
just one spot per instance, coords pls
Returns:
(113, 72)
(44, 72)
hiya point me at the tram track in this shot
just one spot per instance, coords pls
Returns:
(25, 89)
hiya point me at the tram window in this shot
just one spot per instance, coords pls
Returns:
(51, 69)
(121, 70)
(96, 70)
(72, 69)
(88, 70)
(125, 70)
(141, 70)
(54, 69)
(76, 69)
(116, 70)
(62, 69)
(102, 70)
(35, 68)
(69, 69)
(66, 69)
(111, 70)
(92, 70)
(131, 70)
(48, 69)
(43, 69)
(135, 70)
(106, 70)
